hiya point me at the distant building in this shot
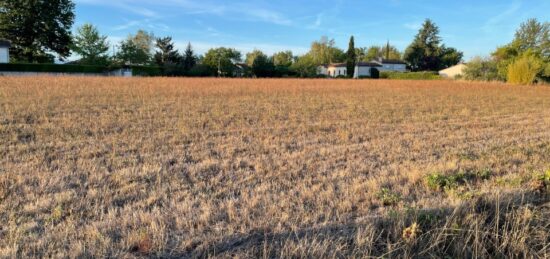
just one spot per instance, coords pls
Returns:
(363, 68)
(393, 65)
(453, 72)
(241, 70)
(5, 51)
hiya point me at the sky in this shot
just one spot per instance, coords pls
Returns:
(475, 27)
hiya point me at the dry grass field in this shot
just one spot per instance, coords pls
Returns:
(158, 167)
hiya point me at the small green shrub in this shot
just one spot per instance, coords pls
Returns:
(440, 182)
(388, 197)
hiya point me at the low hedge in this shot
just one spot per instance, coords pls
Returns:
(410, 75)
(52, 68)
(84, 69)
(146, 71)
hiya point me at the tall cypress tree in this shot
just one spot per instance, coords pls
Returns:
(351, 57)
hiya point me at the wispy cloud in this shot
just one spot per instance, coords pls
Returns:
(413, 25)
(494, 21)
(234, 11)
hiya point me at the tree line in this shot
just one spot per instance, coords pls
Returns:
(525, 60)
(39, 29)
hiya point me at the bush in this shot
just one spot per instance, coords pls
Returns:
(146, 71)
(410, 75)
(482, 69)
(374, 73)
(524, 70)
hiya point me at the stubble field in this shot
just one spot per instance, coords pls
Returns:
(149, 167)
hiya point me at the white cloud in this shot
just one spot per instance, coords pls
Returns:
(497, 19)
(234, 11)
(413, 25)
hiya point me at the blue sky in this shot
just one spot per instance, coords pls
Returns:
(474, 27)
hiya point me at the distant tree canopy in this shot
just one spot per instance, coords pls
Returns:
(325, 51)
(305, 66)
(262, 65)
(221, 61)
(525, 60)
(189, 58)
(90, 45)
(36, 28)
(531, 44)
(427, 53)
(283, 58)
(167, 57)
(375, 52)
(136, 49)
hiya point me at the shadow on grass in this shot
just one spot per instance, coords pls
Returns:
(505, 225)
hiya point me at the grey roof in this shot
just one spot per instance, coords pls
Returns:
(368, 64)
(393, 61)
(5, 43)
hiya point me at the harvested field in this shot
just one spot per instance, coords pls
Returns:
(111, 167)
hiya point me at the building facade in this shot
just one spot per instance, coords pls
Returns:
(5, 51)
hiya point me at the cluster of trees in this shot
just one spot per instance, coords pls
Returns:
(427, 53)
(39, 29)
(525, 60)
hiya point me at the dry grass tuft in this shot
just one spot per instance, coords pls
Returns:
(111, 167)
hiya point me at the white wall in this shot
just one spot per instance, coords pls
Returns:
(4, 55)
(337, 71)
(362, 71)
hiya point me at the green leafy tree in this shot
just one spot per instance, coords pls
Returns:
(166, 53)
(325, 51)
(351, 58)
(531, 39)
(427, 53)
(90, 45)
(283, 58)
(424, 52)
(450, 57)
(390, 52)
(221, 61)
(167, 57)
(373, 52)
(262, 66)
(483, 69)
(251, 56)
(189, 58)
(37, 28)
(305, 66)
(283, 61)
(136, 49)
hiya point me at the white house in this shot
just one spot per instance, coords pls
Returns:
(333, 70)
(5, 51)
(364, 69)
(453, 72)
